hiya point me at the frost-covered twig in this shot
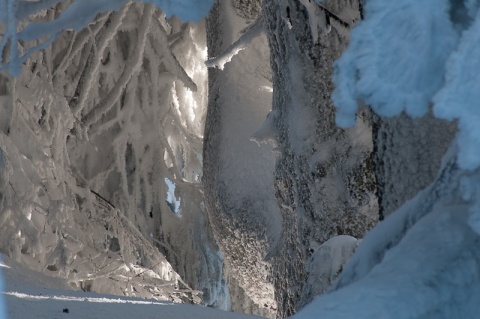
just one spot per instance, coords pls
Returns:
(102, 198)
(92, 70)
(132, 67)
(79, 41)
(172, 65)
(253, 32)
(176, 38)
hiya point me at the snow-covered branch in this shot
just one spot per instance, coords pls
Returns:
(101, 45)
(132, 67)
(172, 65)
(75, 16)
(245, 39)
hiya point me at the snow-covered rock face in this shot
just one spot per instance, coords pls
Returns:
(324, 180)
(325, 264)
(423, 261)
(238, 172)
(408, 155)
(90, 130)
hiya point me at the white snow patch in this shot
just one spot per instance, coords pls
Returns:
(172, 200)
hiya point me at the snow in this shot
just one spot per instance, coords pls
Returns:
(82, 173)
(327, 262)
(244, 215)
(421, 262)
(405, 56)
(76, 16)
(245, 39)
(187, 10)
(28, 294)
(396, 59)
(458, 99)
(172, 200)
